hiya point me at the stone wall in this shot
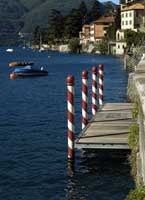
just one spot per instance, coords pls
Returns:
(136, 89)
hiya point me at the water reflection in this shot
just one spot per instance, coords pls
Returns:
(103, 172)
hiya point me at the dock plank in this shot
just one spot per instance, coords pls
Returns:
(108, 129)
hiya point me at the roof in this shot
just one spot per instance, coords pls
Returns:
(137, 6)
(109, 19)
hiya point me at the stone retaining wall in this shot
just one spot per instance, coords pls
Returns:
(136, 88)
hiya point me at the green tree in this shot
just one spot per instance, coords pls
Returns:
(130, 37)
(36, 35)
(96, 10)
(134, 38)
(103, 47)
(117, 18)
(74, 45)
(83, 11)
(73, 24)
(109, 8)
(55, 32)
(111, 32)
(44, 35)
(83, 8)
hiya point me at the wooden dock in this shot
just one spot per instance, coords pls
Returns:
(108, 129)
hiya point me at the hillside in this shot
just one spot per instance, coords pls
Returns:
(10, 17)
(39, 13)
(31, 4)
(25, 15)
(10, 20)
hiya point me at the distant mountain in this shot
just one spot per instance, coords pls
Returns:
(10, 18)
(40, 11)
(110, 3)
(25, 15)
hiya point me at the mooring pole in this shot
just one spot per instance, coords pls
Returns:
(70, 114)
(94, 91)
(84, 99)
(101, 84)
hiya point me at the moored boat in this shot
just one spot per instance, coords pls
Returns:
(13, 64)
(9, 50)
(27, 72)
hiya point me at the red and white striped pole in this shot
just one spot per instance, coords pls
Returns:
(101, 84)
(84, 98)
(94, 91)
(70, 113)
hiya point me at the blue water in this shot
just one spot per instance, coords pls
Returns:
(33, 132)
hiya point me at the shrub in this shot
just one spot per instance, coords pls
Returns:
(135, 110)
(103, 47)
(74, 45)
(136, 194)
(133, 139)
(133, 136)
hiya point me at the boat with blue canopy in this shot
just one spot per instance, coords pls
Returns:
(28, 71)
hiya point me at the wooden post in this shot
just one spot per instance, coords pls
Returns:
(84, 99)
(101, 85)
(70, 112)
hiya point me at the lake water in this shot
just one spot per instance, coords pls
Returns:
(33, 131)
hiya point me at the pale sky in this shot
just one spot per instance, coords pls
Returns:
(115, 1)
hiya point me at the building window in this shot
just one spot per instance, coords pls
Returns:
(118, 36)
(122, 15)
(130, 22)
(122, 22)
(126, 14)
(118, 46)
(130, 14)
(126, 22)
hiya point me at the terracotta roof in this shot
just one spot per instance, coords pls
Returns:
(109, 19)
(137, 6)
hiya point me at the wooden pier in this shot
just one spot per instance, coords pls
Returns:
(108, 129)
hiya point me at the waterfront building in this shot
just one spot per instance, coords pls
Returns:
(133, 18)
(85, 34)
(120, 43)
(96, 30)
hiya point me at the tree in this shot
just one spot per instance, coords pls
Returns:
(134, 38)
(83, 10)
(117, 18)
(96, 10)
(73, 24)
(56, 27)
(109, 8)
(111, 32)
(44, 35)
(36, 35)
(74, 45)
(130, 37)
(103, 47)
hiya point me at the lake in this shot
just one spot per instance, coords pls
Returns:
(33, 131)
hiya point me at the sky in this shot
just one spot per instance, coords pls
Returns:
(115, 1)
